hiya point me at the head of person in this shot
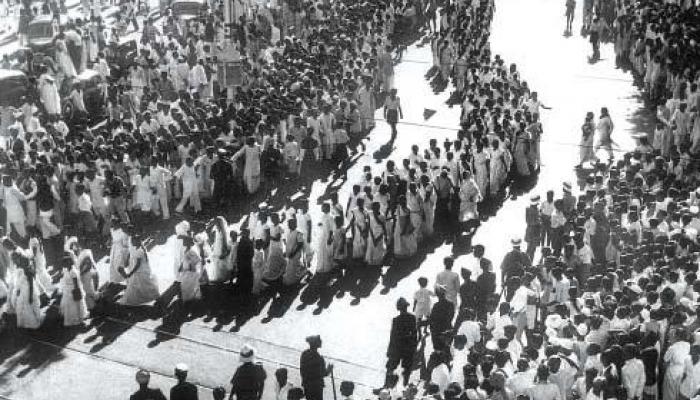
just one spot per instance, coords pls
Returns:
(143, 377)
(281, 376)
(402, 305)
(479, 251)
(181, 372)
(448, 262)
(314, 342)
(219, 393)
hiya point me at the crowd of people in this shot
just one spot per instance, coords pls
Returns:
(603, 300)
(599, 299)
(169, 135)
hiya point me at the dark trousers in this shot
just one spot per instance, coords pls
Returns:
(220, 195)
(313, 392)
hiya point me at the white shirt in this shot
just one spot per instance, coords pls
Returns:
(519, 300)
(84, 203)
(450, 280)
(472, 331)
(633, 378)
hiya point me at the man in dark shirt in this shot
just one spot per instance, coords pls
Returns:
(248, 381)
(244, 260)
(568, 200)
(485, 287)
(313, 369)
(144, 392)
(440, 321)
(115, 189)
(467, 295)
(222, 174)
(183, 390)
(403, 341)
(514, 262)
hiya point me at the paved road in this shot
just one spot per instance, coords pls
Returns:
(101, 362)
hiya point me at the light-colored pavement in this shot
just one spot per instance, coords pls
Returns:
(355, 329)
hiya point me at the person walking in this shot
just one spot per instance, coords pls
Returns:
(440, 320)
(449, 281)
(248, 381)
(605, 129)
(514, 262)
(313, 369)
(587, 134)
(570, 11)
(190, 189)
(533, 231)
(392, 112)
(403, 341)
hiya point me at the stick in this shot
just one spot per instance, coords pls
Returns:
(335, 396)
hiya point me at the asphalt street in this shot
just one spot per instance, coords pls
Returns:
(100, 362)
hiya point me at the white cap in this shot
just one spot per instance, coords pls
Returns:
(181, 367)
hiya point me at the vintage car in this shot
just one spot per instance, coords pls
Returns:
(14, 85)
(41, 33)
(186, 10)
(93, 95)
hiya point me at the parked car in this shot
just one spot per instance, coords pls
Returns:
(93, 95)
(14, 85)
(186, 10)
(42, 31)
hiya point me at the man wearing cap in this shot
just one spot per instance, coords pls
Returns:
(144, 392)
(248, 381)
(403, 341)
(514, 262)
(533, 231)
(313, 369)
(183, 390)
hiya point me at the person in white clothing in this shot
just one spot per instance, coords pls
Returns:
(449, 280)
(13, 198)
(190, 188)
(198, 78)
(633, 374)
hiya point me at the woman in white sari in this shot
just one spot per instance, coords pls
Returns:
(26, 295)
(88, 277)
(48, 93)
(119, 252)
(376, 240)
(65, 63)
(190, 272)
(358, 221)
(469, 196)
(498, 168)
(294, 249)
(72, 307)
(36, 248)
(404, 239)
(415, 207)
(220, 266)
(324, 246)
(141, 283)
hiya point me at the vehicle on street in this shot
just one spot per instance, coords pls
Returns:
(93, 95)
(186, 10)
